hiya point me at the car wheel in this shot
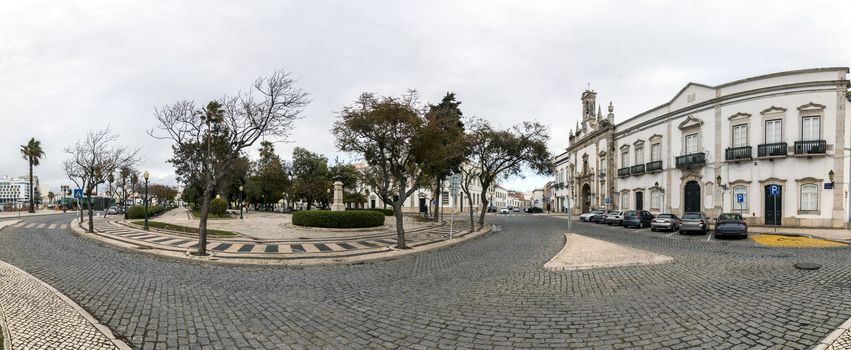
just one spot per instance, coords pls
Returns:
(652, 229)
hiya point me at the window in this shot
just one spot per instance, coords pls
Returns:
(639, 156)
(655, 152)
(740, 135)
(743, 205)
(810, 129)
(656, 200)
(603, 165)
(691, 144)
(774, 131)
(625, 201)
(809, 197)
(444, 198)
(624, 159)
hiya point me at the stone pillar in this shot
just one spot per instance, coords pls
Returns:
(338, 204)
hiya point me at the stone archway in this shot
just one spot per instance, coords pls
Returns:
(586, 198)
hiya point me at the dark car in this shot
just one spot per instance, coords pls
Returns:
(640, 218)
(534, 210)
(694, 222)
(665, 222)
(731, 224)
(598, 217)
(491, 209)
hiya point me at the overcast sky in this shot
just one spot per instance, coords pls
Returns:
(71, 66)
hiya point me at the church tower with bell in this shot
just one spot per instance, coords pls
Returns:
(589, 106)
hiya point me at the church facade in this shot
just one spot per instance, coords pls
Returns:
(772, 147)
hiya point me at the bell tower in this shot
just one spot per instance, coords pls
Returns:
(589, 105)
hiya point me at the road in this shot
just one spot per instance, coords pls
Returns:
(489, 292)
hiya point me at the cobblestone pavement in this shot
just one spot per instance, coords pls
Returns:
(37, 318)
(485, 293)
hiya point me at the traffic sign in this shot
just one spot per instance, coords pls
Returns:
(78, 193)
(454, 184)
(740, 198)
(774, 190)
(608, 200)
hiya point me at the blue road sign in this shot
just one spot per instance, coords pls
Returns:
(828, 185)
(78, 193)
(774, 190)
(740, 197)
(608, 200)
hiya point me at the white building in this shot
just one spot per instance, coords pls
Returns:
(500, 198)
(724, 148)
(14, 192)
(537, 198)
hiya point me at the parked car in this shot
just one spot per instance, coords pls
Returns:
(516, 210)
(731, 224)
(534, 210)
(112, 210)
(503, 211)
(586, 216)
(665, 222)
(598, 217)
(640, 218)
(491, 209)
(694, 222)
(614, 217)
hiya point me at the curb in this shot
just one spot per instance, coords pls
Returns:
(120, 344)
(833, 336)
(7, 337)
(387, 253)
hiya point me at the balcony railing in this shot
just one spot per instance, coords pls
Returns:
(737, 153)
(811, 147)
(654, 166)
(694, 159)
(637, 169)
(623, 172)
(771, 150)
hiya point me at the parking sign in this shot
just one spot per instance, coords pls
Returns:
(774, 190)
(740, 198)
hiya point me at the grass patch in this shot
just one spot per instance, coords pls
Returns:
(186, 229)
(197, 214)
(795, 242)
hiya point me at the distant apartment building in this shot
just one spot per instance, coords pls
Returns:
(14, 193)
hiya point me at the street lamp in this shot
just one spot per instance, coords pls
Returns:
(830, 176)
(723, 189)
(240, 201)
(146, 175)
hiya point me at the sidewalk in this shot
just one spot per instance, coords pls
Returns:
(322, 250)
(14, 214)
(842, 235)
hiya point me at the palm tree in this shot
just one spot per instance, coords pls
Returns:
(33, 153)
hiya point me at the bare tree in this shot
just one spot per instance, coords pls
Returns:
(207, 140)
(469, 175)
(93, 159)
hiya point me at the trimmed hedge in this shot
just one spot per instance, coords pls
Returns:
(386, 212)
(138, 211)
(218, 207)
(338, 219)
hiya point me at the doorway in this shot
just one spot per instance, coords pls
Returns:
(639, 200)
(692, 197)
(773, 205)
(586, 198)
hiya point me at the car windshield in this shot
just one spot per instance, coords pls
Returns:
(665, 216)
(730, 216)
(691, 216)
(629, 213)
(613, 212)
(600, 212)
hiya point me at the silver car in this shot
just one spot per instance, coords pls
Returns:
(614, 217)
(694, 222)
(668, 222)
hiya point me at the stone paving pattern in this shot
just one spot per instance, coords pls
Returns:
(486, 293)
(39, 319)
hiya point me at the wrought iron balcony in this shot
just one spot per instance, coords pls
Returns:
(738, 153)
(654, 166)
(637, 169)
(623, 172)
(771, 150)
(811, 147)
(690, 160)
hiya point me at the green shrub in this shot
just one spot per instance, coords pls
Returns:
(218, 207)
(386, 212)
(138, 211)
(338, 219)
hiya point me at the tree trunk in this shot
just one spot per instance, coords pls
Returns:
(484, 205)
(91, 212)
(400, 229)
(438, 195)
(472, 221)
(32, 190)
(202, 220)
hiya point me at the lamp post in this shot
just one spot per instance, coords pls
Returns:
(146, 175)
(723, 189)
(240, 201)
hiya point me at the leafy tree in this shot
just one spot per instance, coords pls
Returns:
(383, 131)
(500, 154)
(208, 140)
(163, 193)
(32, 153)
(440, 145)
(269, 179)
(37, 196)
(350, 177)
(50, 196)
(92, 160)
(311, 180)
